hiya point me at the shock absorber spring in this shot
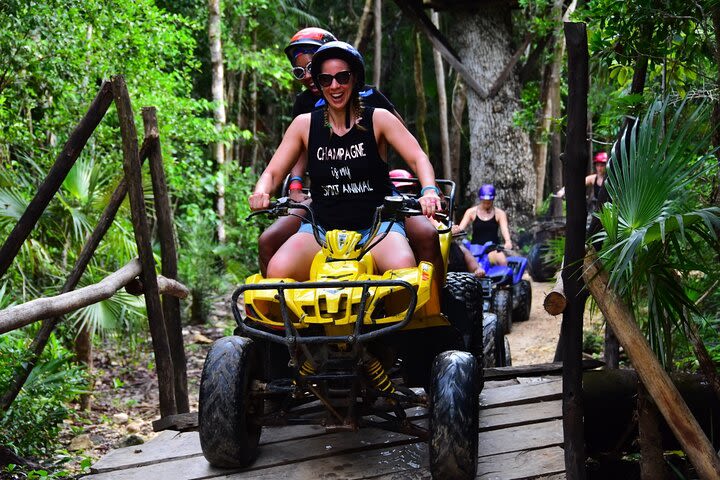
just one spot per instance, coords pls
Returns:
(378, 377)
(307, 368)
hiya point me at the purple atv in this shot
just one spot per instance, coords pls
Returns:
(505, 293)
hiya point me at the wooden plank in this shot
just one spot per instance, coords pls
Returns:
(515, 371)
(172, 445)
(523, 437)
(518, 394)
(500, 417)
(346, 448)
(400, 463)
(522, 465)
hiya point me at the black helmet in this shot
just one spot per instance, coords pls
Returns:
(343, 51)
(311, 38)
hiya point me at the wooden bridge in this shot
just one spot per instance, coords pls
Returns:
(520, 437)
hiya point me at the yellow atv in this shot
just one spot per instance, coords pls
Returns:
(352, 342)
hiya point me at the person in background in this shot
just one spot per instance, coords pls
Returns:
(299, 51)
(596, 180)
(485, 219)
(344, 143)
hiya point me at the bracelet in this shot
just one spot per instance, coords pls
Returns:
(296, 179)
(430, 187)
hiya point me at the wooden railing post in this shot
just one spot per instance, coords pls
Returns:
(55, 177)
(656, 380)
(572, 323)
(131, 168)
(168, 254)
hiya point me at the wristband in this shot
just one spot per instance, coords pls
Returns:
(295, 185)
(296, 179)
(430, 187)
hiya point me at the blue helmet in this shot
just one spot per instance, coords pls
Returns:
(343, 51)
(486, 192)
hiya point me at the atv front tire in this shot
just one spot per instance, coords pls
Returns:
(454, 416)
(228, 437)
(502, 306)
(493, 338)
(522, 312)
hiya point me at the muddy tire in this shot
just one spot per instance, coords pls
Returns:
(490, 333)
(502, 306)
(463, 306)
(507, 358)
(454, 416)
(540, 269)
(228, 437)
(522, 312)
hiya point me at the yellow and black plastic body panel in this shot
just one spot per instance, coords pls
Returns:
(340, 306)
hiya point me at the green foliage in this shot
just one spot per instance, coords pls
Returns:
(33, 421)
(654, 231)
(526, 117)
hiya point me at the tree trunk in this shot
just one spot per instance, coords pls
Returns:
(443, 108)
(377, 60)
(499, 152)
(364, 27)
(83, 353)
(456, 128)
(218, 89)
(420, 95)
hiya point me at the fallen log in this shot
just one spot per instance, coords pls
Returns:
(18, 316)
(555, 301)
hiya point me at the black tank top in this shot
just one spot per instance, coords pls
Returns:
(348, 178)
(485, 230)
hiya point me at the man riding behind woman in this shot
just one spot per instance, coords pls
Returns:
(345, 191)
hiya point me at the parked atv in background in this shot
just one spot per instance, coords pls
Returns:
(506, 293)
(358, 342)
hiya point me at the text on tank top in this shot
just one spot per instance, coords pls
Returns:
(348, 178)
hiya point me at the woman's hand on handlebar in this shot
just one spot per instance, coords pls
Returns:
(430, 203)
(259, 201)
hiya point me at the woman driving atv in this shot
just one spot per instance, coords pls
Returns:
(343, 141)
(485, 219)
(422, 235)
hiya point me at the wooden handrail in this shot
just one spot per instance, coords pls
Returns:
(18, 316)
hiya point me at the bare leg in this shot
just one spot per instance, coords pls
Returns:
(393, 252)
(274, 237)
(497, 258)
(425, 242)
(293, 258)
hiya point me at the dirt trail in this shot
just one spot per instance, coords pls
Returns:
(534, 341)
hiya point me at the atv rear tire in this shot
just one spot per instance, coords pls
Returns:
(454, 416)
(540, 270)
(502, 306)
(522, 312)
(463, 306)
(507, 358)
(494, 341)
(228, 437)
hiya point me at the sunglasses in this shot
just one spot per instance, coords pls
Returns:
(299, 72)
(325, 79)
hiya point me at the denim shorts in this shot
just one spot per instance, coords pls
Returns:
(365, 232)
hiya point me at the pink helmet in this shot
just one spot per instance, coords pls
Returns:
(601, 157)
(399, 173)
